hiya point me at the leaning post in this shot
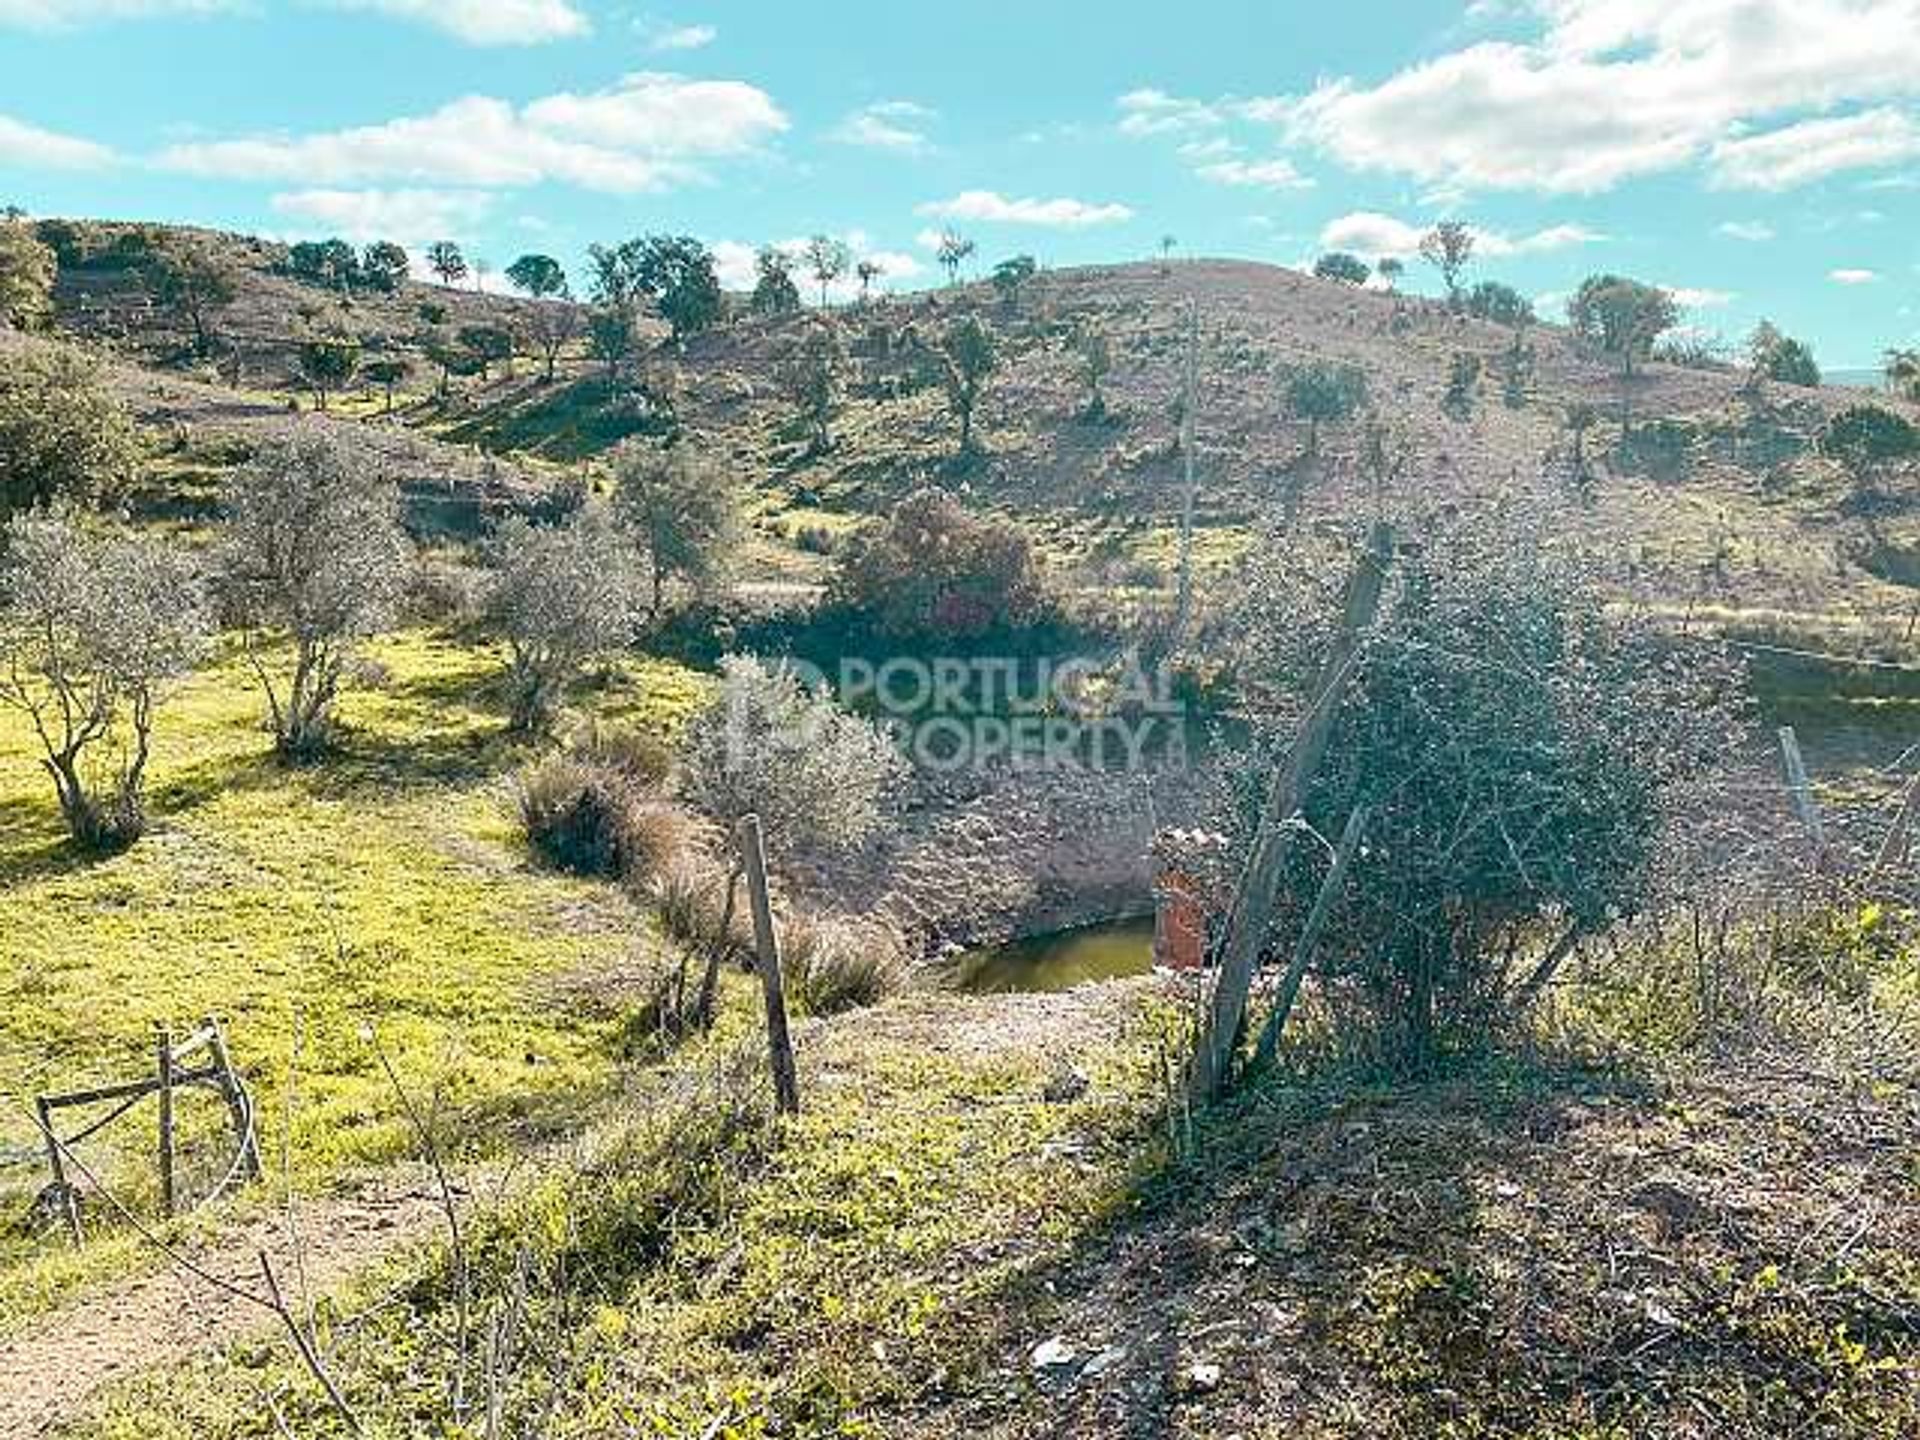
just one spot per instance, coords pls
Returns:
(766, 945)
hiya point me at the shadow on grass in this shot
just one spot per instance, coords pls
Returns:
(1521, 1248)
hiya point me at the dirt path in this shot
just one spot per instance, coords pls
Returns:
(50, 1374)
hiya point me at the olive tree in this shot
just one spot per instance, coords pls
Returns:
(191, 279)
(813, 375)
(94, 627)
(314, 560)
(328, 364)
(1621, 317)
(27, 272)
(964, 361)
(687, 514)
(774, 292)
(1338, 265)
(1325, 394)
(820, 780)
(447, 262)
(1515, 745)
(1774, 355)
(1095, 357)
(562, 595)
(63, 434)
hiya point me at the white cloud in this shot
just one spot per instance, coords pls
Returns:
(991, 207)
(1256, 174)
(63, 14)
(675, 38)
(1613, 89)
(898, 125)
(488, 22)
(1796, 154)
(1373, 236)
(646, 132)
(407, 215)
(1689, 298)
(32, 148)
(1154, 112)
(1853, 277)
(1752, 231)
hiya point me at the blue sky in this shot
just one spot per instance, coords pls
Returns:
(1760, 157)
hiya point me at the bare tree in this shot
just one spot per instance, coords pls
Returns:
(1448, 247)
(94, 627)
(315, 559)
(828, 259)
(953, 251)
(563, 595)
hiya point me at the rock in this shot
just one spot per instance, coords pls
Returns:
(1104, 1361)
(1054, 1354)
(1200, 1378)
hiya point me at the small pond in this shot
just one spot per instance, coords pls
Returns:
(1060, 960)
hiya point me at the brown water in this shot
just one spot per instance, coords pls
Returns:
(1061, 960)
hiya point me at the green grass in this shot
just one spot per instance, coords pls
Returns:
(727, 1274)
(387, 885)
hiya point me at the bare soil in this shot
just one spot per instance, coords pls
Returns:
(49, 1375)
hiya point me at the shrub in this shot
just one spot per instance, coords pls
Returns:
(1338, 265)
(833, 964)
(27, 270)
(1776, 356)
(690, 897)
(644, 759)
(588, 817)
(64, 437)
(1868, 440)
(934, 570)
(1517, 746)
(1502, 304)
(1325, 394)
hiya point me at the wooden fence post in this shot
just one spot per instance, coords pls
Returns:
(1252, 912)
(766, 944)
(57, 1165)
(1289, 991)
(163, 1045)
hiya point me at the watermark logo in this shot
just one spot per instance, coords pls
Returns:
(952, 713)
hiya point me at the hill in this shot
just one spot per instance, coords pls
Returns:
(1709, 499)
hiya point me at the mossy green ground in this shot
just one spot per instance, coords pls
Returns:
(385, 885)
